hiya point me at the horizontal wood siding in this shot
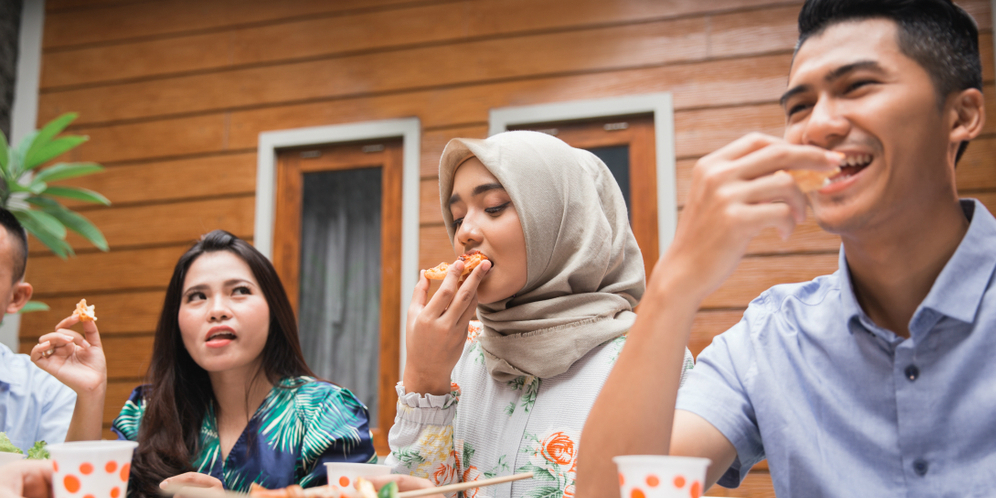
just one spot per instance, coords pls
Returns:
(174, 94)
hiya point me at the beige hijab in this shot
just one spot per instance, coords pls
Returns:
(584, 270)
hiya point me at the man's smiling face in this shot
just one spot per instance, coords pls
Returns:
(852, 90)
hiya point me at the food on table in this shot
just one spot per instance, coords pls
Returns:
(364, 487)
(470, 261)
(809, 180)
(36, 452)
(7, 446)
(85, 313)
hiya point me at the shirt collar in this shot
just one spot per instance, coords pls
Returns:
(958, 290)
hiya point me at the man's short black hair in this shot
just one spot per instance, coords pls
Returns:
(937, 34)
(18, 243)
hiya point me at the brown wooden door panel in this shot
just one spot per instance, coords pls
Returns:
(385, 154)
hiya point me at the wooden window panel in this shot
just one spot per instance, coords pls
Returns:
(292, 164)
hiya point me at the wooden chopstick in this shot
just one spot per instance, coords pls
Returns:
(214, 493)
(449, 488)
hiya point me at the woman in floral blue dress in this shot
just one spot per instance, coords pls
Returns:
(229, 399)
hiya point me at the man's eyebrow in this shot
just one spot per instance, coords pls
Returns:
(832, 76)
(478, 190)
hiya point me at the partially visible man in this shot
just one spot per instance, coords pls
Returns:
(878, 380)
(34, 406)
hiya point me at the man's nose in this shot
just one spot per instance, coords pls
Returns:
(825, 124)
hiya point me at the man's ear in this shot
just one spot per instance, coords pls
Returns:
(968, 115)
(20, 295)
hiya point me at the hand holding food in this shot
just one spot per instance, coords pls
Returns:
(77, 360)
(735, 194)
(436, 329)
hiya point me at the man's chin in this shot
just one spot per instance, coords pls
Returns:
(841, 217)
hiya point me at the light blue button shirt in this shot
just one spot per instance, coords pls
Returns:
(34, 406)
(842, 407)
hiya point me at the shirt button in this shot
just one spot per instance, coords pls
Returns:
(920, 467)
(912, 372)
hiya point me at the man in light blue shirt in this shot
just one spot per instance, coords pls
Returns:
(878, 380)
(34, 406)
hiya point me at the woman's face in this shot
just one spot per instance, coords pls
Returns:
(485, 219)
(224, 318)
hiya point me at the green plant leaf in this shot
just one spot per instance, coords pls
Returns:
(45, 136)
(34, 187)
(54, 127)
(37, 156)
(32, 306)
(4, 154)
(80, 194)
(32, 222)
(16, 166)
(72, 220)
(82, 226)
(62, 171)
(47, 222)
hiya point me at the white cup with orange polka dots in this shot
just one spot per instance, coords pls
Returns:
(658, 476)
(342, 475)
(91, 469)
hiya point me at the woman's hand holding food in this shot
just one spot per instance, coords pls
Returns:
(735, 194)
(436, 331)
(76, 360)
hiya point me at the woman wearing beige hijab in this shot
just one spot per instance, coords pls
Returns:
(511, 393)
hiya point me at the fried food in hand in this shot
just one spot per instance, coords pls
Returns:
(809, 180)
(470, 261)
(85, 313)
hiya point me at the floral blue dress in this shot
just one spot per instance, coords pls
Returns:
(302, 423)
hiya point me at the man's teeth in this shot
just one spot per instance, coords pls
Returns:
(856, 160)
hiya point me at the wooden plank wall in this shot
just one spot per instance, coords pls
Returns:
(174, 94)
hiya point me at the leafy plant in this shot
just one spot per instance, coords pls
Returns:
(26, 190)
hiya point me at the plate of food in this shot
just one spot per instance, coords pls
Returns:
(10, 453)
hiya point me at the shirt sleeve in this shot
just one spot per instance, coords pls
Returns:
(717, 390)
(126, 425)
(338, 430)
(421, 439)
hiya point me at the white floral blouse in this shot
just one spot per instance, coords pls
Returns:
(485, 428)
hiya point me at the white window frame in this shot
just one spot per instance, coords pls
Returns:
(659, 104)
(408, 129)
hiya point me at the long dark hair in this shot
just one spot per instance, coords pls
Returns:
(179, 390)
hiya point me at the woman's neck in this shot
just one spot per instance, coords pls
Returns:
(239, 394)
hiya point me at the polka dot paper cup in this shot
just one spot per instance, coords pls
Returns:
(657, 476)
(342, 475)
(91, 469)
